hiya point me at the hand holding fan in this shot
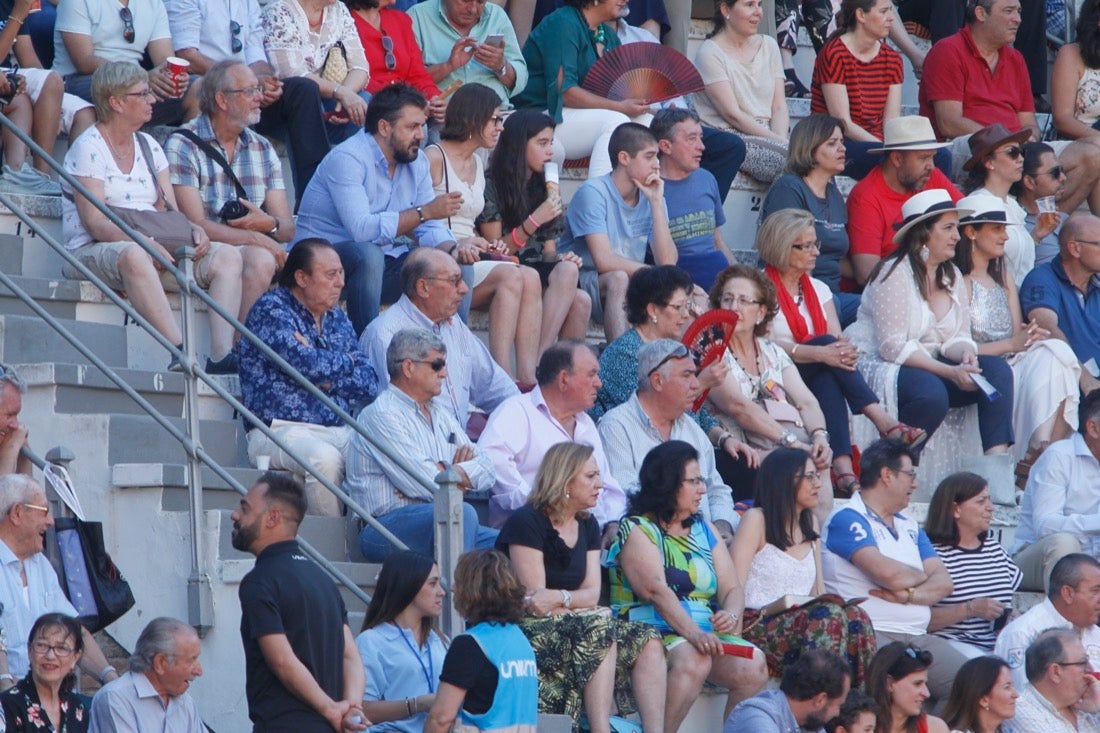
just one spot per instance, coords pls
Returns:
(646, 71)
(707, 338)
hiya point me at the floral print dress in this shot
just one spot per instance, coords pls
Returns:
(23, 712)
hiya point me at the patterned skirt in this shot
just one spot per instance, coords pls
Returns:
(568, 649)
(845, 630)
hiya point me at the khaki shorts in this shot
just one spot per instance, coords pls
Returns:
(102, 259)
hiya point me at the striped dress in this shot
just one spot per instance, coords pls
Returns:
(985, 572)
(867, 83)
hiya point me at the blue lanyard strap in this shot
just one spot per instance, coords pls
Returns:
(429, 671)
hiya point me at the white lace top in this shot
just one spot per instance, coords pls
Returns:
(775, 574)
(296, 50)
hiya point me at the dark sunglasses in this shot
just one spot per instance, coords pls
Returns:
(678, 353)
(1055, 172)
(127, 24)
(387, 46)
(1014, 152)
(235, 31)
(436, 364)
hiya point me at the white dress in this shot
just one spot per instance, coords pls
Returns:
(775, 573)
(894, 322)
(1046, 375)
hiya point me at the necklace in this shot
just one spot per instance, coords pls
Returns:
(798, 299)
(119, 157)
(754, 379)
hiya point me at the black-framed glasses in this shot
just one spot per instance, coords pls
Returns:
(127, 24)
(1055, 172)
(679, 352)
(235, 32)
(497, 119)
(1082, 663)
(387, 46)
(61, 651)
(1014, 152)
(436, 364)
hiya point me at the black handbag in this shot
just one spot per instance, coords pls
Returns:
(91, 580)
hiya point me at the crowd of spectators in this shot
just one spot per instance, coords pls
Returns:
(706, 494)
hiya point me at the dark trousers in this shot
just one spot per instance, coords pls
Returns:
(723, 154)
(296, 118)
(837, 391)
(942, 18)
(924, 398)
(1031, 41)
(737, 475)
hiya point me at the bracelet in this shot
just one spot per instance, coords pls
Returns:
(566, 598)
(795, 349)
(17, 20)
(7, 677)
(523, 228)
(102, 676)
(533, 221)
(516, 241)
(912, 593)
(823, 431)
(408, 707)
(420, 213)
(722, 440)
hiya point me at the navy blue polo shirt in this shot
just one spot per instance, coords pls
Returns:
(1047, 286)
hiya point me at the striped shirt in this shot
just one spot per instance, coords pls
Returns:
(985, 572)
(867, 83)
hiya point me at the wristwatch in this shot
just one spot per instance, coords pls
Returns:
(420, 213)
(275, 229)
(503, 70)
(788, 439)
(566, 598)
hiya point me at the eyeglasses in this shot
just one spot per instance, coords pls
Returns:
(679, 352)
(453, 280)
(497, 119)
(235, 32)
(682, 308)
(733, 301)
(127, 24)
(815, 245)
(910, 472)
(251, 91)
(813, 476)
(695, 480)
(436, 364)
(148, 94)
(61, 651)
(1086, 241)
(1055, 172)
(1014, 152)
(1082, 663)
(387, 46)
(43, 509)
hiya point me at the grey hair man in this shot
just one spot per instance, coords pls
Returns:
(259, 222)
(13, 433)
(1059, 688)
(424, 433)
(657, 413)
(28, 583)
(153, 694)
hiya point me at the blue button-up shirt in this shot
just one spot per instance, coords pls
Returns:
(332, 361)
(353, 198)
(1048, 286)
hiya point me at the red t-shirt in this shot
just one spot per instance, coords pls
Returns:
(874, 208)
(867, 83)
(955, 71)
(409, 60)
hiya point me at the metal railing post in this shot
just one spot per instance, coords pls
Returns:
(200, 594)
(448, 543)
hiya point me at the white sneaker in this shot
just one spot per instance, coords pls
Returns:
(28, 180)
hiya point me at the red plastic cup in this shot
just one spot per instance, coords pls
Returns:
(178, 68)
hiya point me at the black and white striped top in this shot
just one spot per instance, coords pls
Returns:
(985, 572)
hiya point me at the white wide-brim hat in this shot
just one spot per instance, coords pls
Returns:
(924, 205)
(911, 132)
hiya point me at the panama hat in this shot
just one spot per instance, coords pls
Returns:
(985, 208)
(986, 140)
(924, 205)
(911, 132)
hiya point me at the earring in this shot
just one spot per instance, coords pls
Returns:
(758, 320)
(567, 494)
(653, 318)
(985, 706)
(924, 254)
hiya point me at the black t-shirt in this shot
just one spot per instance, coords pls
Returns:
(287, 593)
(467, 668)
(565, 566)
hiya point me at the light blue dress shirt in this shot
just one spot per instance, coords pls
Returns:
(397, 668)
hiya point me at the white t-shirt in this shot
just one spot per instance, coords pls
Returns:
(100, 20)
(89, 157)
(1014, 639)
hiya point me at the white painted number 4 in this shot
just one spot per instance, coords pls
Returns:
(858, 532)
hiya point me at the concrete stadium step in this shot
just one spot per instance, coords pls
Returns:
(171, 480)
(83, 389)
(26, 339)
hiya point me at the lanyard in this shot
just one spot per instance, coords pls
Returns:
(429, 671)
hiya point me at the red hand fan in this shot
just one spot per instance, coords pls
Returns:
(707, 338)
(646, 71)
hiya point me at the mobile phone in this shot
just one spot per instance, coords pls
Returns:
(495, 40)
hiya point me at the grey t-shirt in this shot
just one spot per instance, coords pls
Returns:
(830, 220)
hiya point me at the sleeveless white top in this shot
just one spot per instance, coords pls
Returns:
(775, 574)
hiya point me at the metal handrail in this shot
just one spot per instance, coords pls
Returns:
(188, 289)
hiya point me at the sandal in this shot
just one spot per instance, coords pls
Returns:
(793, 88)
(911, 436)
(844, 489)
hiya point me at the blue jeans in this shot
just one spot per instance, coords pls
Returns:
(847, 307)
(723, 154)
(415, 526)
(924, 398)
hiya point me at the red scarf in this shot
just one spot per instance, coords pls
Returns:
(790, 310)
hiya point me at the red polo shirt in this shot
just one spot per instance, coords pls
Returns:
(955, 71)
(874, 208)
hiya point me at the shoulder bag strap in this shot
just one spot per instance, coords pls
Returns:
(217, 157)
(147, 153)
(446, 175)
